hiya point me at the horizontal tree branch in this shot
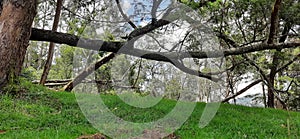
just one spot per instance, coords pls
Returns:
(115, 46)
(171, 57)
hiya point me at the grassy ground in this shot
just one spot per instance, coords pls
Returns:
(44, 114)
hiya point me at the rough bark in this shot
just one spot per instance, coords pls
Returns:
(15, 27)
(51, 45)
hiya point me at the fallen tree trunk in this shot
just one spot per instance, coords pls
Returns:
(86, 72)
(61, 83)
(53, 81)
(55, 84)
(68, 80)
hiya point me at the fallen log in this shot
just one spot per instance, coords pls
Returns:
(53, 81)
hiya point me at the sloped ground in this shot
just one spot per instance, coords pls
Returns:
(44, 114)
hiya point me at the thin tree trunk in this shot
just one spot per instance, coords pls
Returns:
(15, 28)
(27, 60)
(51, 46)
(40, 58)
(264, 95)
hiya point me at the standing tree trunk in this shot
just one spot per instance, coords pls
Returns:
(51, 46)
(16, 17)
(271, 97)
(275, 62)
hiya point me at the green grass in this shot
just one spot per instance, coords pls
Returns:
(44, 114)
